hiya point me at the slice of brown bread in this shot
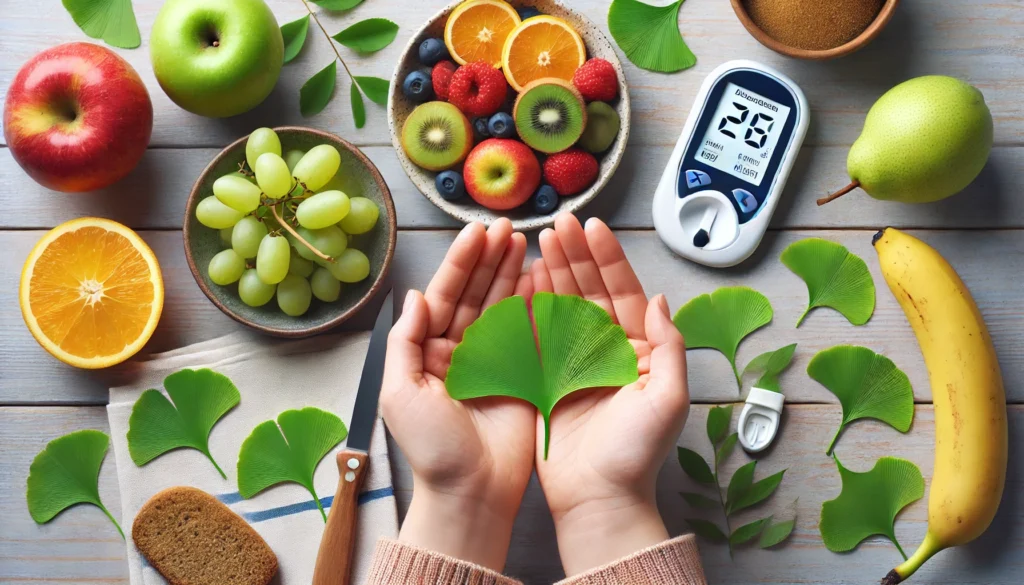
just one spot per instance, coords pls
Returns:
(193, 539)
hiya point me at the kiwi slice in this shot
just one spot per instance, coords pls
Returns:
(437, 136)
(550, 115)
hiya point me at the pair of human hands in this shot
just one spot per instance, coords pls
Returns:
(471, 460)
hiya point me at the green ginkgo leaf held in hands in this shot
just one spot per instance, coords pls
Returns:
(649, 35)
(722, 319)
(273, 455)
(580, 347)
(66, 473)
(869, 502)
(200, 398)
(835, 278)
(110, 20)
(867, 384)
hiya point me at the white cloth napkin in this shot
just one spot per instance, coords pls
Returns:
(272, 376)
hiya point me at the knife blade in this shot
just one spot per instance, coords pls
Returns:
(337, 546)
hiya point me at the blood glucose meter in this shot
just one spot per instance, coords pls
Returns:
(727, 171)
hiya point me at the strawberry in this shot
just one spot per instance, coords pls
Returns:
(570, 172)
(478, 89)
(597, 81)
(442, 78)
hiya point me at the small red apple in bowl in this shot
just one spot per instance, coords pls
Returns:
(501, 173)
(77, 117)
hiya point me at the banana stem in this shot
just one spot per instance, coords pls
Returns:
(839, 193)
(927, 550)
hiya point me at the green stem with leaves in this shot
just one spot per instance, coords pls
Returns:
(725, 513)
(330, 41)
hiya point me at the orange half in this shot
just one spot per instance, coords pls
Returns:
(91, 292)
(540, 47)
(476, 30)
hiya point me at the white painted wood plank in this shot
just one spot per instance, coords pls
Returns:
(154, 195)
(80, 546)
(980, 41)
(987, 261)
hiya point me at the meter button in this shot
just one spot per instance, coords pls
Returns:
(746, 201)
(696, 179)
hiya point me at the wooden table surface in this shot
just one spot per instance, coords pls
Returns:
(980, 231)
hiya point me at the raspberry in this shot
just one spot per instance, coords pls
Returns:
(442, 77)
(478, 89)
(597, 81)
(570, 172)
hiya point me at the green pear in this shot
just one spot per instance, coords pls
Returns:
(923, 140)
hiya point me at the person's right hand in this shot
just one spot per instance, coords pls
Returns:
(471, 460)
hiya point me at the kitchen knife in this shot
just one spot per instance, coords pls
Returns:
(337, 547)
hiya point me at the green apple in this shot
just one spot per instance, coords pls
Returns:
(216, 58)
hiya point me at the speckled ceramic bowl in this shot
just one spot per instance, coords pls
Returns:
(467, 210)
(363, 180)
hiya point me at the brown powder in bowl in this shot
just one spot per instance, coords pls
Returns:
(813, 24)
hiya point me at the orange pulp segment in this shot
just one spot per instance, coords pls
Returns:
(542, 46)
(476, 30)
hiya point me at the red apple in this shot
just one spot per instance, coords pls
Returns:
(501, 173)
(77, 117)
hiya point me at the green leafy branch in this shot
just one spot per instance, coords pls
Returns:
(742, 493)
(365, 36)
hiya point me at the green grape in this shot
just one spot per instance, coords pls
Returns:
(226, 267)
(261, 141)
(273, 175)
(349, 266)
(322, 210)
(317, 166)
(253, 291)
(225, 236)
(330, 240)
(299, 266)
(272, 259)
(214, 214)
(294, 295)
(362, 216)
(237, 193)
(325, 286)
(292, 157)
(347, 183)
(247, 235)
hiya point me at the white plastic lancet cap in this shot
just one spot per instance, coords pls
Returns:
(759, 419)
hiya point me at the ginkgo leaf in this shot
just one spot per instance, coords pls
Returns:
(201, 398)
(867, 384)
(869, 503)
(649, 35)
(66, 473)
(719, 418)
(368, 36)
(580, 347)
(294, 34)
(358, 107)
(315, 94)
(695, 466)
(272, 455)
(835, 278)
(768, 366)
(110, 20)
(722, 319)
(748, 532)
(375, 88)
(335, 5)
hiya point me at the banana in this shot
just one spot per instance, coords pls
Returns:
(967, 391)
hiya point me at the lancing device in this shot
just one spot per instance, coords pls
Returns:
(727, 172)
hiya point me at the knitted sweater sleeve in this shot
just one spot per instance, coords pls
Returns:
(673, 562)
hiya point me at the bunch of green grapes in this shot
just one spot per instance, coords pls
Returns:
(287, 226)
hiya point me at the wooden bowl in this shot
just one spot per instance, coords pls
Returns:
(865, 37)
(467, 210)
(363, 180)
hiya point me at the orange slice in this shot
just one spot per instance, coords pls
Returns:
(542, 46)
(91, 292)
(476, 30)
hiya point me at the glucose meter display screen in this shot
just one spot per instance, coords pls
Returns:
(743, 134)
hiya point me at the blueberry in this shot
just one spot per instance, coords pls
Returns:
(528, 12)
(501, 125)
(545, 200)
(418, 87)
(480, 128)
(450, 185)
(432, 51)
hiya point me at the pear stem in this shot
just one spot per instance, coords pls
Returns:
(839, 193)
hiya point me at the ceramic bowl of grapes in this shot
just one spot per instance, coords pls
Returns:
(290, 231)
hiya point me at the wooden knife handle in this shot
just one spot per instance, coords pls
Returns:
(337, 547)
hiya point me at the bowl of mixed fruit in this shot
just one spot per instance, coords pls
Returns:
(290, 231)
(509, 109)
